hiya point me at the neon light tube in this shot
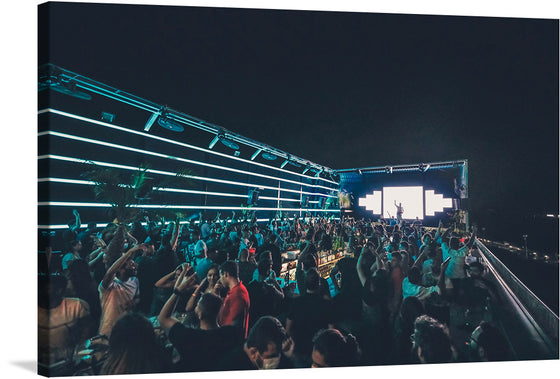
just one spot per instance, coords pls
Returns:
(152, 153)
(167, 173)
(178, 190)
(255, 154)
(166, 206)
(122, 129)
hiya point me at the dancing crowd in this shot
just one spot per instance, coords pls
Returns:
(215, 294)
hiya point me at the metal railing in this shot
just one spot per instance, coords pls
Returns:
(532, 327)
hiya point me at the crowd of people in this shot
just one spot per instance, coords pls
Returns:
(215, 289)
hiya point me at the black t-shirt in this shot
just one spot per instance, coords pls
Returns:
(201, 350)
(246, 270)
(147, 278)
(276, 256)
(349, 274)
(309, 313)
(264, 301)
(234, 360)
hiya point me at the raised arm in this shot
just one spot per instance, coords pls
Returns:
(112, 271)
(420, 259)
(183, 283)
(438, 232)
(95, 256)
(379, 263)
(131, 238)
(335, 270)
(77, 221)
(441, 280)
(175, 235)
(273, 286)
(167, 280)
(363, 272)
(191, 304)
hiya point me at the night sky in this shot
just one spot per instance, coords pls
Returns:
(345, 89)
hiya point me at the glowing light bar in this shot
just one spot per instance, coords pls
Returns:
(150, 122)
(214, 142)
(178, 190)
(150, 136)
(167, 173)
(436, 203)
(278, 199)
(102, 225)
(159, 155)
(66, 181)
(167, 206)
(256, 154)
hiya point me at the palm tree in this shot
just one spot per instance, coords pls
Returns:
(126, 193)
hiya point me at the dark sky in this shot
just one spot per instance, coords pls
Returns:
(344, 89)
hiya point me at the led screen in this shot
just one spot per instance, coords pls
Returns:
(430, 195)
(409, 197)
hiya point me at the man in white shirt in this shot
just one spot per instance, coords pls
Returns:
(119, 291)
(456, 254)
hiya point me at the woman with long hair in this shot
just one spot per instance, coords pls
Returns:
(82, 286)
(134, 348)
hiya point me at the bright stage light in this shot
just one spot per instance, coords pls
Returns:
(436, 203)
(371, 202)
(409, 197)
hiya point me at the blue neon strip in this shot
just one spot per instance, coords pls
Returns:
(108, 94)
(102, 225)
(112, 126)
(159, 155)
(151, 206)
(178, 190)
(167, 173)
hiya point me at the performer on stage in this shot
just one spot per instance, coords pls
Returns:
(400, 211)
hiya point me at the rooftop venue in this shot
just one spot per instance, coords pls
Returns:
(180, 232)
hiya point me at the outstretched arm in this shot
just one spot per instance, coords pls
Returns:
(175, 235)
(77, 222)
(441, 280)
(363, 272)
(167, 280)
(438, 232)
(274, 287)
(420, 259)
(165, 318)
(131, 238)
(193, 300)
(335, 270)
(112, 271)
(95, 256)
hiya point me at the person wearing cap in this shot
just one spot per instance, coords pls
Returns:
(201, 261)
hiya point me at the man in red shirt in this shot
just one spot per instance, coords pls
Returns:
(235, 308)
